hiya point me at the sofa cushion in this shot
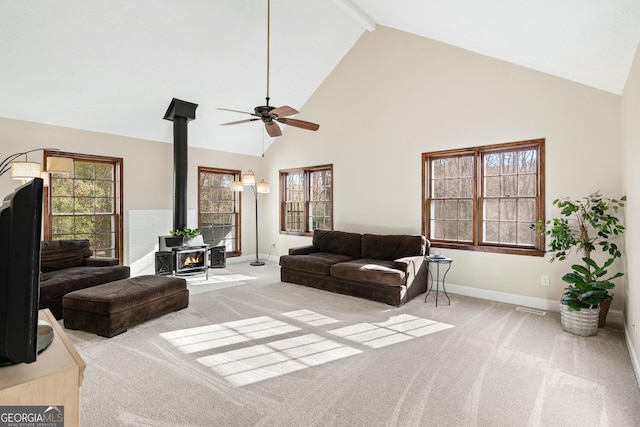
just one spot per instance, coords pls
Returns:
(392, 247)
(101, 262)
(369, 270)
(338, 242)
(59, 254)
(316, 263)
(55, 284)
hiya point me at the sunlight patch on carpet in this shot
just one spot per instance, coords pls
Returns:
(214, 336)
(261, 362)
(199, 284)
(397, 329)
(310, 317)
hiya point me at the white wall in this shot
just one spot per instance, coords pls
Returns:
(631, 178)
(396, 95)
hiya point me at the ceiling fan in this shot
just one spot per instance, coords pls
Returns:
(268, 114)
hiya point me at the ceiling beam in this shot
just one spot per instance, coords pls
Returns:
(356, 13)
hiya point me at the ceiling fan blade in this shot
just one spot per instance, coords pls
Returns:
(273, 129)
(236, 111)
(300, 124)
(238, 122)
(284, 111)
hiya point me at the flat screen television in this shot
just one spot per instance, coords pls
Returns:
(20, 237)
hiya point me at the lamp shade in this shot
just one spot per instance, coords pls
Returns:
(263, 187)
(25, 170)
(59, 164)
(236, 186)
(45, 178)
(248, 179)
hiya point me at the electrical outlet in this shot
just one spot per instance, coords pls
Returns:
(544, 281)
(273, 246)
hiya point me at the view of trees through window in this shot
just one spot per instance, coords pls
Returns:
(294, 202)
(306, 198)
(87, 204)
(485, 197)
(219, 209)
(320, 206)
(510, 197)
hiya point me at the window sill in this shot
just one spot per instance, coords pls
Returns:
(491, 249)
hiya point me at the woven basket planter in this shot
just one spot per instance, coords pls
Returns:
(583, 323)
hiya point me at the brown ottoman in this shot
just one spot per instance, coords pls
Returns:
(111, 308)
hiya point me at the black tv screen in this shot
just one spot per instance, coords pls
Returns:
(20, 237)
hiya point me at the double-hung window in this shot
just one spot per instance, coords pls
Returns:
(306, 199)
(87, 203)
(485, 198)
(219, 209)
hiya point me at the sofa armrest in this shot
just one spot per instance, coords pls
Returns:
(411, 265)
(100, 262)
(304, 250)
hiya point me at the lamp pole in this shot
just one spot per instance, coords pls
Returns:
(257, 261)
(249, 179)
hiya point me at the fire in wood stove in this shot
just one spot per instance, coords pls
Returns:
(190, 259)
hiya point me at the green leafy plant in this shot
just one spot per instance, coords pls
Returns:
(585, 225)
(189, 233)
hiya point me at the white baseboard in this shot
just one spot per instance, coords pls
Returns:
(250, 258)
(614, 316)
(632, 354)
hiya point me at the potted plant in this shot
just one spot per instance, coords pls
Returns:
(187, 234)
(585, 225)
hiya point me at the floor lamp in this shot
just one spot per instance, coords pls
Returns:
(26, 170)
(249, 179)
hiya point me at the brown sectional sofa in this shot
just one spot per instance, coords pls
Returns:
(385, 268)
(67, 265)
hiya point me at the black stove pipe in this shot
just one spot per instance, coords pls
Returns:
(180, 113)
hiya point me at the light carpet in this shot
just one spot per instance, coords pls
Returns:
(260, 352)
(217, 279)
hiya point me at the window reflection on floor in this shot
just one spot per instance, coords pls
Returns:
(259, 361)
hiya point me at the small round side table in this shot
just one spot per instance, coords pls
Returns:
(437, 260)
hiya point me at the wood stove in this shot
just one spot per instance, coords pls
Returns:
(190, 259)
(176, 258)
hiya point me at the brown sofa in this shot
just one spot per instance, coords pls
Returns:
(67, 265)
(389, 269)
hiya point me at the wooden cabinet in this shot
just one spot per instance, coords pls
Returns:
(54, 379)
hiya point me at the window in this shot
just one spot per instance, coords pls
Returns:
(485, 198)
(306, 199)
(219, 209)
(87, 203)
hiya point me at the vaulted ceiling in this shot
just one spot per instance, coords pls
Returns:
(113, 66)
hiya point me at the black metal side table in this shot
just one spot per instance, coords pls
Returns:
(437, 260)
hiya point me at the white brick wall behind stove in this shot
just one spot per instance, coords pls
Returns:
(144, 228)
